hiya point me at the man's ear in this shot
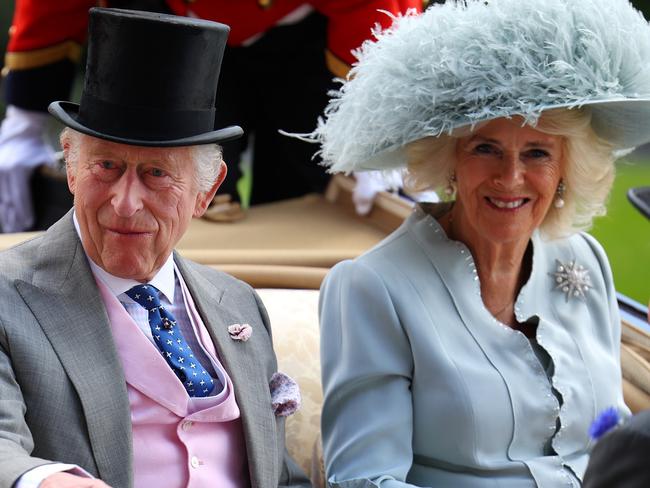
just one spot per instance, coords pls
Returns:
(69, 169)
(204, 199)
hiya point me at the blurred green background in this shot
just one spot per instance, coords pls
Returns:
(624, 232)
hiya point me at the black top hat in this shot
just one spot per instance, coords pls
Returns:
(151, 80)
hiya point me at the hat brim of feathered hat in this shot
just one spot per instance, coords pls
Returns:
(68, 114)
(623, 122)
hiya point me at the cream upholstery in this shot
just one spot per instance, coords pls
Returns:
(294, 316)
(635, 363)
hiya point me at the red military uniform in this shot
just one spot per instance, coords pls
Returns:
(349, 21)
(44, 32)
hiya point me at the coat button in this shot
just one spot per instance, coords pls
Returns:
(195, 462)
(187, 425)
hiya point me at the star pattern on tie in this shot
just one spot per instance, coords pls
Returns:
(170, 341)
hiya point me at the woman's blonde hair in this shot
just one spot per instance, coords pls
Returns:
(588, 171)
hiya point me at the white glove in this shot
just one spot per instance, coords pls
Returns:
(22, 149)
(369, 183)
(429, 196)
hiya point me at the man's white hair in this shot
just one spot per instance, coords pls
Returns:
(207, 158)
(588, 172)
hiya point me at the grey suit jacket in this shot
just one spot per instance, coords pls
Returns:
(63, 395)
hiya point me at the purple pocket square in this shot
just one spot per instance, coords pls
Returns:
(285, 395)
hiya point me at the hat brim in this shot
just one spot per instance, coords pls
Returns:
(623, 122)
(67, 113)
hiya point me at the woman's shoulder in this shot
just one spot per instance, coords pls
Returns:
(397, 267)
(587, 242)
(407, 241)
(580, 247)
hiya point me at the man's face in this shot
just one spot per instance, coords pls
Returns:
(134, 203)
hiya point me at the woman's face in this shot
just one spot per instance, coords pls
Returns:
(507, 176)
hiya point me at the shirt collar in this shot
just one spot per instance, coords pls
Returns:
(163, 279)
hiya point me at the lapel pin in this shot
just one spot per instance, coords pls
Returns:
(571, 279)
(240, 332)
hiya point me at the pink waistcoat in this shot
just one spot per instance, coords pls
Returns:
(178, 441)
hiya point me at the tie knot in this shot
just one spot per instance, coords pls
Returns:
(145, 295)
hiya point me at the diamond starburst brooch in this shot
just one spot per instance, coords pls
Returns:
(571, 279)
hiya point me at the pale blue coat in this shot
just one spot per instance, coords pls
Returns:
(423, 387)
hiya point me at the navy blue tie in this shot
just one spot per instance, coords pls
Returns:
(169, 339)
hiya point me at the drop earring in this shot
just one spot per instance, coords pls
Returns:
(559, 194)
(450, 189)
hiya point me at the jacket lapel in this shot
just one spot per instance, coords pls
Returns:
(246, 363)
(65, 301)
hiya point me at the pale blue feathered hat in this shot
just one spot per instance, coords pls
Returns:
(462, 63)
